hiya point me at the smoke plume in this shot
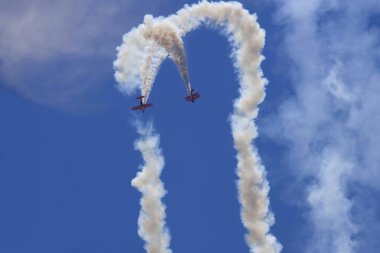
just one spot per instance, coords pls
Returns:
(247, 40)
(155, 56)
(167, 35)
(151, 221)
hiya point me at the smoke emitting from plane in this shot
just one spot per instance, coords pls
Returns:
(139, 57)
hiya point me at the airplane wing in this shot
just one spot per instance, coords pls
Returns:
(137, 108)
(147, 105)
(192, 97)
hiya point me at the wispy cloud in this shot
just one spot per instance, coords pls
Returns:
(51, 52)
(329, 126)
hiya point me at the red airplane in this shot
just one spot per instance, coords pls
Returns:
(193, 96)
(142, 106)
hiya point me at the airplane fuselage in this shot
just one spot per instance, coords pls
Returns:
(142, 105)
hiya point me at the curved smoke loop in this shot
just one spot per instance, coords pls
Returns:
(139, 57)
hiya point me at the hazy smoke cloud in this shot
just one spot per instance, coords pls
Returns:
(329, 123)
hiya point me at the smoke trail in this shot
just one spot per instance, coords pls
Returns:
(152, 226)
(167, 35)
(247, 40)
(142, 52)
(155, 56)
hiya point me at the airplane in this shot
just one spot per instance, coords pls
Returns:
(142, 106)
(193, 96)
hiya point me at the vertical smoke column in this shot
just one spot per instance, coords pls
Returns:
(252, 184)
(152, 227)
(247, 40)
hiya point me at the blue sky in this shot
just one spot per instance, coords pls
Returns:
(66, 139)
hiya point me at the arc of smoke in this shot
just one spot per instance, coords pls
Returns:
(142, 52)
(247, 40)
(151, 221)
(167, 35)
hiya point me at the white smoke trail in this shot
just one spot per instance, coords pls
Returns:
(166, 34)
(155, 56)
(142, 52)
(152, 226)
(247, 40)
